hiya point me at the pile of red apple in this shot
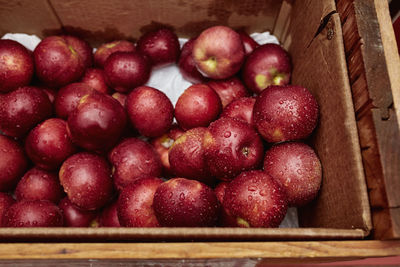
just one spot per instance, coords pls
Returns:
(85, 143)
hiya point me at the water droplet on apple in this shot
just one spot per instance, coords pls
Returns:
(227, 134)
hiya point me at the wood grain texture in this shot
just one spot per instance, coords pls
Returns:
(201, 250)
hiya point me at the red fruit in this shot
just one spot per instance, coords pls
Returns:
(109, 216)
(180, 202)
(97, 122)
(105, 50)
(86, 178)
(16, 66)
(68, 98)
(74, 216)
(267, 65)
(33, 213)
(249, 43)
(283, 113)
(135, 203)
(48, 144)
(13, 163)
(255, 199)
(51, 93)
(38, 184)
(298, 170)
(160, 46)
(96, 79)
(187, 66)
(198, 106)
(121, 98)
(81, 47)
(241, 109)
(57, 63)
(228, 90)
(126, 70)
(231, 146)
(133, 159)
(218, 52)
(150, 111)
(23, 109)
(6, 201)
(186, 156)
(225, 220)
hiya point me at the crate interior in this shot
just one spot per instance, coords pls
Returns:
(310, 30)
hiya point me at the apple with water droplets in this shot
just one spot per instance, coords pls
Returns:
(241, 109)
(228, 89)
(105, 50)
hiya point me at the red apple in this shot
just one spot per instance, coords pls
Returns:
(186, 156)
(283, 113)
(126, 70)
(16, 66)
(23, 109)
(38, 184)
(232, 146)
(48, 144)
(109, 216)
(160, 46)
(57, 63)
(133, 159)
(96, 79)
(13, 163)
(187, 66)
(269, 64)
(97, 122)
(33, 213)
(121, 98)
(74, 216)
(181, 202)
(86, 178)
(241, 109)
(51, 93)
(82, 47)
(68, 98)
(6, 200)
(105, 50)
(135, 203)
(228, 90)
(255, 199)
(218, 52)
(225, 220)
(249, 43)
(298, 170)
(150, 111)
(198, 106)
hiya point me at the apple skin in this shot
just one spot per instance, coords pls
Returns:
(229, 89)
(231, 147)
(16, 66)
(109, 216)
(57, 63)
(38, 184)
(68, 98)
(82, 47)
(198, 106)
(33, 213)
(51, 94)
(97, 123)
(162, 145)
(74, 216)
(23, 109)
(133, 159)
(249, 43)
(48, 144)
(106, 49)
(181, 202)
(186, 156)
(160, 46)
(187, 66)
(135, 203)
(125, 71)
(150, 111)
(241, 109)
(218, 52)
(6, 200)
(268, 64)
(96, 79)
(298, 170)
(225, 220)
(86, 178)
(283, 113)
(13, 163)
(255, 199)
(121, 98)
